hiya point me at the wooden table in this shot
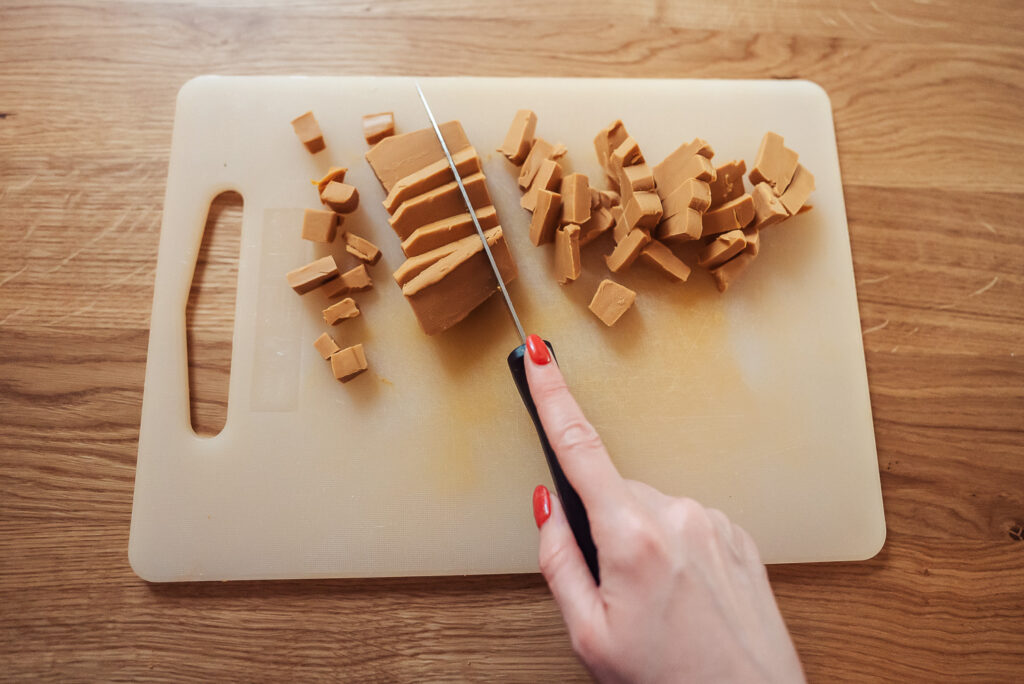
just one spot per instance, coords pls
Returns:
(928, 104)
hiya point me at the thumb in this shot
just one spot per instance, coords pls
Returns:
(562, 564)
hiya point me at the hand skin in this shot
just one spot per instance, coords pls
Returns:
(684, 596)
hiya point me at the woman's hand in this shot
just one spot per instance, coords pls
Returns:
(683, 595)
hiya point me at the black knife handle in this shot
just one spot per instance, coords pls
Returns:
(571, 504)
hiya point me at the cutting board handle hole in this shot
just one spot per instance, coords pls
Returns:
(210, 314)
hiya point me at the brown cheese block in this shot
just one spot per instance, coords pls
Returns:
(312, 275)
(309, 132)
(319, 225)
(721, 249)
(549, 177)
(355, 280)
(611, 301)
(775, 163)
(609, 198)
(348, 363)
(696, 167)
(677, 166)
(376, 127)
(753, 238)
(639, 177)
(341, 197)
(728, 183)
(438, 233)
(727, 273)
(601, 219)
(627, 251)
(567, 253)
(397, 156)
(541, 151)
(335, 173)
(575, 199)
(738, 213)
(432, 176)
(643, 210)
(692, 194)
(341, 311)
(544, 221)
(361, 248)
(448, 291)
(326, 346)
(415, 265)
(619, 228)
(626, 154)
(662, 258)
(768, 210)
(684, 226)
(519, 137)
(607, 140)
(800, 188)
(438, 204)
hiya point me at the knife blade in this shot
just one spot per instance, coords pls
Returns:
(575, 512)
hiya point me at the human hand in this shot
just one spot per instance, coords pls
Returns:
(683, 594)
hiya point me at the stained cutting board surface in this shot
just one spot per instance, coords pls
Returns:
(755, 402)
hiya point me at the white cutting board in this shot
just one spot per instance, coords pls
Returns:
(755, 402)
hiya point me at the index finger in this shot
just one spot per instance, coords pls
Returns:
(576, 443)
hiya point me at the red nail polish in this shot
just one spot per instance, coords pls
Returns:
(541, 505)
(538, 350)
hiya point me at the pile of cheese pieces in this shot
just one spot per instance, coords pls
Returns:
(321, 226)
(685, 198)
(446, 274)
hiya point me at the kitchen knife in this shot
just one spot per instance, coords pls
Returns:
(575, 512)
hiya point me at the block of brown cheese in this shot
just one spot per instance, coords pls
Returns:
(607, 140)
(643, 210)
(540, 152)
(439, 203)
(661, 257)
(735, 214)
(753, 238)
(691, 194)
(341, 197)
(519, 138)
(319, 225)
(341, 311)
(680, 166)
(727, 273)
(768, 210)
(728, 183)
(601, 220)
(438, 233)
(639, 177)
(544, 221)
(619, 228)
(432, 176)
(549, 177)
(376, 127)
(575, 199)
(611, 301)
(309, 132)
(348, 363)
(361, 248)
(775, 163)
(684, 226)
(354, 280)
(415, 265)
(397, 156)
(721, 249)
(567, 253)
(335, 173)
(800, 188)
(326, 346)
(626, 154)
(312, 275)
(448, 290)
(627, 251)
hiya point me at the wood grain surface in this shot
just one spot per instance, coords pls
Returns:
(928, 100)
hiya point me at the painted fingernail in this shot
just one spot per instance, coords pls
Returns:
(538, 350)
(541, 505)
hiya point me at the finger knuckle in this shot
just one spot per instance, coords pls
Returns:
(552, 559)
(577, 436)
(642, 540)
